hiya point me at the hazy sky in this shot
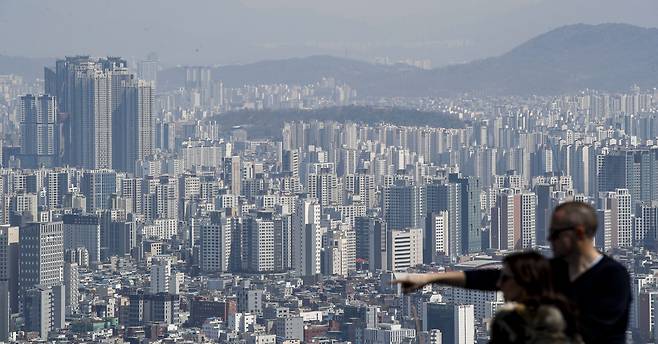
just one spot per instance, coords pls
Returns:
(238, 31)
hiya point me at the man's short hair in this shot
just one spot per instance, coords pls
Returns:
(576, 213)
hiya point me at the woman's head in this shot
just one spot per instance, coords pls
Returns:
(525, 276)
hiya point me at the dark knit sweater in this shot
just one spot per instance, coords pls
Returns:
(601, 294)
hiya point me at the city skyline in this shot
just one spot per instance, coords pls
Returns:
(148, 195)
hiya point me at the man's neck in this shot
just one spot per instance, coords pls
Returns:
(581, 262)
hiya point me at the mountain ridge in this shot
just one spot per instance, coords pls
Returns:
(611, 57)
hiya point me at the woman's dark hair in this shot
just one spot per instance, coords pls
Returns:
(532, 272)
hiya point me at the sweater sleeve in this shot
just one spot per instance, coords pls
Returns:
(485, 279)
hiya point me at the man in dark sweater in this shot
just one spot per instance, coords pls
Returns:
(598, 285)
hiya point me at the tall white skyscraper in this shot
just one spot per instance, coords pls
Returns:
(528, 206)
(306, 237)
(440, 238)
(464, 324)
(619, 203)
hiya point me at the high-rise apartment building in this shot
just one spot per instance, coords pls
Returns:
(634, 170)
(233, 174)
(646, 224)
(340, 251)
(471, 233)
(71, 287)
(441, 197)
(438, 241)
(98, 186)
(282, 244)
(619, 203)
(134, 125)
(259, 232)
(9, 246)
(216, 243)
(160, 274)
(403, 205)
(306, 237)
(101, 108)
(322, 184)
(39, 135)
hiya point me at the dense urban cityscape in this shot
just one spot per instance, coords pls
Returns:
(127, 215)
(142, 202)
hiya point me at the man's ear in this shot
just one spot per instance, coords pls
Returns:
(580, 232)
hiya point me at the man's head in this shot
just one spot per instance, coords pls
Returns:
(573, 228)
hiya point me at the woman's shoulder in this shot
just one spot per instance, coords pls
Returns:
(529, 324)
(510, 310)
(508, 325)
(550, 317)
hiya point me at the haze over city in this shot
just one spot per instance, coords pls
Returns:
(231, 31)
(336, 172)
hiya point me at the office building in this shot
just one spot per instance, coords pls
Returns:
(41, 255)
(388, 333)
(456, 322)
(405, 248)
(83, 231)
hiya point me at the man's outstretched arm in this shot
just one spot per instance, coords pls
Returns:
(474, 279)
(413, 282)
